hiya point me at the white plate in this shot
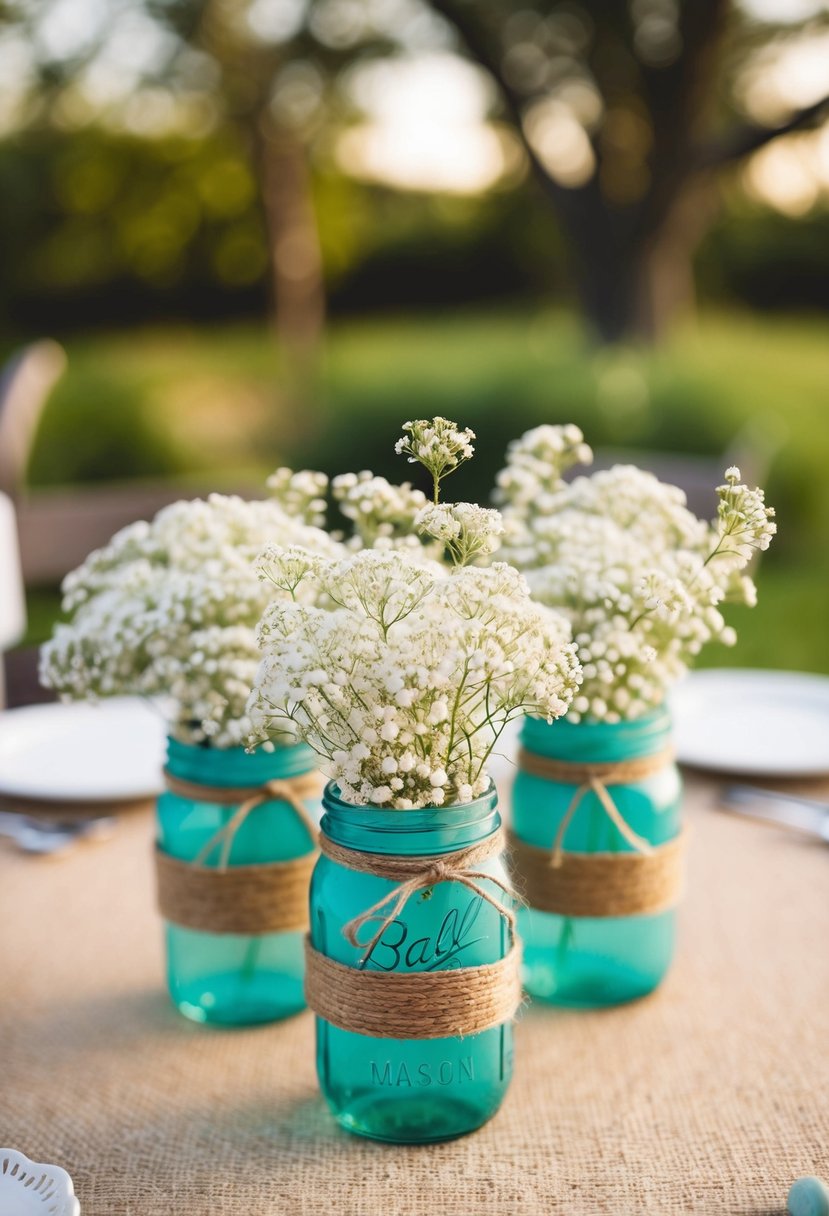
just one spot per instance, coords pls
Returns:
(49, 1191)
(754, 723)
(111, 751)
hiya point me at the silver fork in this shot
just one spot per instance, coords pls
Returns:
(45, 836)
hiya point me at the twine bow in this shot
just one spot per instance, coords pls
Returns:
(595, 778)
(423, 872)
(599, 788)
(290, 790)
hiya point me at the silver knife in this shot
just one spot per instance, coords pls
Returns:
(800, 814)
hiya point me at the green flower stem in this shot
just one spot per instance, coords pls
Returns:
(250, 961)
(567, 936)
(565, 939)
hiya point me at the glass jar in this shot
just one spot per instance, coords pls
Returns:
(230, 978)
(595, 961)
(411, 1090)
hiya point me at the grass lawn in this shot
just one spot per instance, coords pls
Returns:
(220, 404)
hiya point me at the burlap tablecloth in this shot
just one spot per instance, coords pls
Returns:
(709, 1097)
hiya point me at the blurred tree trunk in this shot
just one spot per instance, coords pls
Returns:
(297, 284)
(634, 289)
(278, 160)
(633, 226)
(666, 289)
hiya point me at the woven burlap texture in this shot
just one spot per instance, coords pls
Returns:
(708, 1097)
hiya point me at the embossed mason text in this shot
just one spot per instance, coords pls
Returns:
(445, 1072)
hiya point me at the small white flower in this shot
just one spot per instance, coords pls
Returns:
(469, 647)
(438, 444)
(640, 578)
(467, 530)
(381, 512)
(300, 495)
(170, 608)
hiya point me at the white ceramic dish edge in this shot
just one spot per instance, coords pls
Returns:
(51, 1194)
(753, 722)
(109, 751)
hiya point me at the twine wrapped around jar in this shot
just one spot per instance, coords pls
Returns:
(645, 881)
(415, 1004)
(271, 897)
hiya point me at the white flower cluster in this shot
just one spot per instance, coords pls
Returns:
(536, 464)
(382, 514)
(169, 609)
(466, 530)
(405, 684)
(438, 444)
(744, 522)
(300, 495)
(638, 576)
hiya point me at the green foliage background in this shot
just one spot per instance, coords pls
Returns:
(106, 229)
(215, 405)
(439, 304)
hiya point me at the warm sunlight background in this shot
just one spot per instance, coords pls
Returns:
(245, 232)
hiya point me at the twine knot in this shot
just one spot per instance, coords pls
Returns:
(598, 786)
(556, 880)
(440, 872)
(268, 897)
(416, 1004)
(291, 790)
(595, 778)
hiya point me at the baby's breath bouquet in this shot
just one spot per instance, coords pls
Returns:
(401, 666)
(641, 580)
(168, 609)
(382, 515)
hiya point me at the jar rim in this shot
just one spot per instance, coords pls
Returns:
(236, 765)
(386, 830)
(564, 739)
(333, 796)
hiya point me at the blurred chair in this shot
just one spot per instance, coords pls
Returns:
(12, 600)
(25, 385)
(57, 527)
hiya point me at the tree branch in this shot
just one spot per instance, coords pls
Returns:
(675, 95)
(750, 137)
(581, 208)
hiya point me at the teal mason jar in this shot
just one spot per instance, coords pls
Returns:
(602, 958)
(424, 1089)
(232, 978)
